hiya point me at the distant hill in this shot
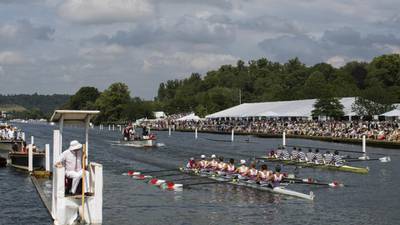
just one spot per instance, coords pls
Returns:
(44, 103)
(11, 108)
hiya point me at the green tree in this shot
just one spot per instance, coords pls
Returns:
(84, 98)
(330, 107)
(112, 102)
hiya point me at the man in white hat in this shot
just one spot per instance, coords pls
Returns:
(72, 160)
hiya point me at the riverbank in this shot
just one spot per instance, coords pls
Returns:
(374, 143)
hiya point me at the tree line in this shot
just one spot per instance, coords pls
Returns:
(375, 84)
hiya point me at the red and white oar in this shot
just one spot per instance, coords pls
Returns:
(156, 181)
(169, 185)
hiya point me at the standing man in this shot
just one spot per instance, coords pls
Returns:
(72, 160)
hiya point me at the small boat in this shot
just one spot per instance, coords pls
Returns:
(145, 141)
(20, 160)
(344, 168)
(6, 145)
(251, 184)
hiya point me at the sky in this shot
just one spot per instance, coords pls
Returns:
(58, 46)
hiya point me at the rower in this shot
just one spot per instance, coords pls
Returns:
(328, 157)
(337, 159)
(277, 177)
(191, 164)
(301, 156)
(278, 152)
(271, 154)
(318, 157)
(252, 172)
(203, 162)
(242, 169)
(264, 174)
(230, 167)
(221, 165)
(213, 163)
(285, 154)
(310, 155)
(294, 154)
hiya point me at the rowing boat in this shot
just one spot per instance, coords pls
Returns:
(344, 168)
(250, 184)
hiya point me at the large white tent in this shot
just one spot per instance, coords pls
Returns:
(296, 108)
(393, 113)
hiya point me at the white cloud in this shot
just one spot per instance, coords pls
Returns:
(337, 61)
(11, 58)
(101, 53)
(187, 62)
(105, 11)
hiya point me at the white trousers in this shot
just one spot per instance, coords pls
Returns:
(76, 177)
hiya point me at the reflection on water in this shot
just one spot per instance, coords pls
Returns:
(367, 199)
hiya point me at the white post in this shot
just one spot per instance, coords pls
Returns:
(284, 139)
(30, 156)
(149, 130)
(169, 130)
(32, 140)
(87, 121)
(23, 136)
(233, 135)
(109, 127)
(364, 148)
(56, 146)
(195, 133)
(47, 152)
(113, 126)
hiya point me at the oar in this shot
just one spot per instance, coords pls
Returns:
(209, 182)
(341, 150)
(312, 182)
(382, 159)
(157, 171)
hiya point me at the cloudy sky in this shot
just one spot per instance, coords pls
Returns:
(57, 46)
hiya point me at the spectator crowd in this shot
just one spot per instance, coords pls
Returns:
(377, 130)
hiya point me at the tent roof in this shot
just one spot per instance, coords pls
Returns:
(73, 115)
(295, 108)
(191, 116)
(394, 112)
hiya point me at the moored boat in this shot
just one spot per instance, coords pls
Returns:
(344, 168)
(20, 160)
(145, 141)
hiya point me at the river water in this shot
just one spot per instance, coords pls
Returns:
(367, 199)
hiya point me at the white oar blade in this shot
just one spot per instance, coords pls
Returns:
(385, 159)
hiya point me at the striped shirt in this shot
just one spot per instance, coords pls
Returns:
(302, 156)
(310, 156)
(285, 154)
(295, 154)
(318, 158)
(328, 158)
(278, 153)
(338, 160)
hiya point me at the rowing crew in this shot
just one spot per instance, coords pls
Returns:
(310, 157)
(243, 172)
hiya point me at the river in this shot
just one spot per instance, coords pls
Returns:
(366, 199)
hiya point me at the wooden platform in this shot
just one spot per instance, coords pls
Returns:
(46, 201)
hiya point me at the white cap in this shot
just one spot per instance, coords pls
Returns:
(213, 156)
(242, 161)
(203, 156)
